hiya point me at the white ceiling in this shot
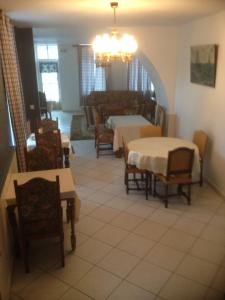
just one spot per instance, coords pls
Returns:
(85, 13)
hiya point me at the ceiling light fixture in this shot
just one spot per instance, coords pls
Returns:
(113, 46)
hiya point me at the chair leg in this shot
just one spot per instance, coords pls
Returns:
(146, 185)
(201, 173)
(189, 194)
(24, 251)
(62, 250)
(154, 185)
(97, 149)
(166, 196)
(150, 182)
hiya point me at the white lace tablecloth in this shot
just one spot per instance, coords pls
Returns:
(152, 153)
(127, 126)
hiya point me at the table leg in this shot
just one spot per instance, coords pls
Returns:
(66, 152)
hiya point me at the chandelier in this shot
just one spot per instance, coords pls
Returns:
(113, 46)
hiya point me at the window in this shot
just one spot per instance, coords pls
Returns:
(48, 67)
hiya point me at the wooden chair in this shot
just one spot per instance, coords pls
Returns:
(40, 158)
(150, 131)
(160, 116)
(44, 109)
(134, 171)
(200, 139)
(39, 213)
(179, 169)
(45, 125)
(103, 137)
(51, 139)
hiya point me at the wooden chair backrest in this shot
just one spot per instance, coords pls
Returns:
(39, 208)
(180, 162)
(200, 139)
(40, 158)
(125, 151)
(160, 116)
(45, 125)
(51, 139)
(150, 131)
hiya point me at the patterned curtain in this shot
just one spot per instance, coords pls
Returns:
(13, 86)
(91, 78)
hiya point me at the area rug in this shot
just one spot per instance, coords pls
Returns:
(79, 130)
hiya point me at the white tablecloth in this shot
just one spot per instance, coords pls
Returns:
(127, 126)
(152, 153)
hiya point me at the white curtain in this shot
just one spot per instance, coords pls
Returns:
(91, 78)
(138, 78)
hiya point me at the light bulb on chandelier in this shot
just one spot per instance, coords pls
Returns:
(113, 46)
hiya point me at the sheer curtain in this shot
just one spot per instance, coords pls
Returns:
(91, 78)
(138, 78)
(11, 74)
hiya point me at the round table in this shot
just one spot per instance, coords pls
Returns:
(152, 153)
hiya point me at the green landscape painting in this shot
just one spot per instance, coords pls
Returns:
(203, 64)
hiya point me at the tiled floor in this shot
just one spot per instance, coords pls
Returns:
(129, 248)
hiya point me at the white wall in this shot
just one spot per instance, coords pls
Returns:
(69, 78)
(118, 76)
(202, 107)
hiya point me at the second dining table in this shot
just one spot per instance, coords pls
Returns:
(127, 126)
(152, 153)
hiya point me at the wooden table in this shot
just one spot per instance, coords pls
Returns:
(66, 146)
(67, 193)
(152, 153)
(127, 126)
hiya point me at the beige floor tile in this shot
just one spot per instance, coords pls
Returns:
(163, 217)
(118, 262)
(219, 221)
(219, 281)
(73, 294)
(100, 196)
(165, 257)
(212, 294)
(189, 225)
(98, 283)
(139, 210)
(127, 291)
(120, 203)
(87, 207)
(105, 214)
(149, 277)
(126, 221)
(92, 250)
(113, 189)
(151, 230)
(21, 279)
(75, 268)
(136, 245)
(199, 214)
(178, 288)
(213, 234)
(110, 235)
(197, 269)
(89, 225)
(45, 287)
(209, 251)
(178, 240)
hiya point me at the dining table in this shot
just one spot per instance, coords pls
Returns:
(67, 147)
(67, 193)
(152, 153)
(127, 127)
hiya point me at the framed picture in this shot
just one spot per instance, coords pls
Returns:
(203, 64)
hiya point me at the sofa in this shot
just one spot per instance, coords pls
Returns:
(109, 103)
